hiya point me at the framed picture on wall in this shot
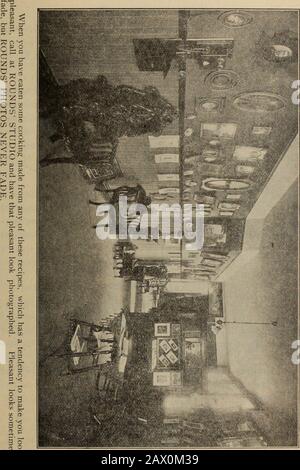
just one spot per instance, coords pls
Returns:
(167, 379)
(228, 206)
(226, 213)
(162, 329)
(173, 345)
(176, 330)
(167, 158)
(165, 346)
(162, 379)
(176, 378)
(172, 357)
(167, 355)
(163, 360)
(233, 197)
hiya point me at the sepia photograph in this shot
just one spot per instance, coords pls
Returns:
(167, 303)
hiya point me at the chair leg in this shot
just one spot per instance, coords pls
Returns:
(116, 393)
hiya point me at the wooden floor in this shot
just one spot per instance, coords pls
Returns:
(265, 289)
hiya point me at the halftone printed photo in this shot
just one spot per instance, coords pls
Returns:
(152, 294)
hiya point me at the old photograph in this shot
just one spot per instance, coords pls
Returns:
(168, 228)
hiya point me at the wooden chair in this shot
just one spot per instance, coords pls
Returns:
(82, 348)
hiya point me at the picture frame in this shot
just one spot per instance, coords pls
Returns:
(176, 378)
(249, 154)
(168, 177)
(164, 141)
(176, 329)
(165, 346)
(172, 357)
(225, 130)
(226, 213)
(261, 130)
(173, 345)
(164, 360)
(228, 206)
(233, 197)
(244, 170)
(162, 329)
(162, 378)
(166, 158)
(168, 356)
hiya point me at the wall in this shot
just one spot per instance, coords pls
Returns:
(89, 43)
(222, 395)
(187, 286)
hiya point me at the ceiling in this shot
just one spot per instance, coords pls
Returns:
(254, 73)
(98, 41)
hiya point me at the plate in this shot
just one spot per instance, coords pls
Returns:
(222, 79)
(235, 18)
(259, 102)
